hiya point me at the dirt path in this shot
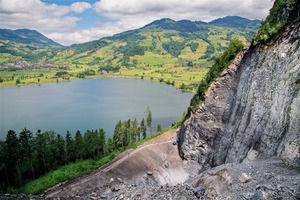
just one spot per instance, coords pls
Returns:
(159, 156)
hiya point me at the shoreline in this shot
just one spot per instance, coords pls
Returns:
(156, 79)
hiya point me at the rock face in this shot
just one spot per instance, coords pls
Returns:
(252, 111)
(261, 179)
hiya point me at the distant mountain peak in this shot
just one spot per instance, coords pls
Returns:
(27, 36)
(234, 22)
(160, 22)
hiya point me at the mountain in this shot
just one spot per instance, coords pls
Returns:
(26, 36)
(24, 44)
(174, 52)
(163, 43)
(236, 22)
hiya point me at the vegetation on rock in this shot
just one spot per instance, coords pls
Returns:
(276, 20)
(223, 61)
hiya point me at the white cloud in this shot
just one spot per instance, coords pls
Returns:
(34, 14)
(179, 9)
(86, 35)
(80, 7)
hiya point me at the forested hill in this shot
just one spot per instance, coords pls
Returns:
(25, 44)
(26, 36)
(236, 22)
(162, 43)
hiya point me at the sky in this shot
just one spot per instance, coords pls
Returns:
(77, 21)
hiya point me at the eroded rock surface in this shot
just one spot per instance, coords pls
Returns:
(261, 179)
(254, 106)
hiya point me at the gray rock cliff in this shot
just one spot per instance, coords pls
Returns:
(252, 110)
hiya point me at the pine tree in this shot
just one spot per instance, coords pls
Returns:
(60, 151)
(143, 128)
(117, 138)
(134, 130)
(79, 145)
(70, 148)
(26, 153)
(102, 139)
(12, 158)
(149, 119)
(159, 129)
(40, 148)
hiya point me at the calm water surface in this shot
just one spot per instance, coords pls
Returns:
(88, 104)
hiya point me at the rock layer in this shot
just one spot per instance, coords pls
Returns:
(252, 110)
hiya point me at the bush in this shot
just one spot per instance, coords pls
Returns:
(223, 61)
(276, 20)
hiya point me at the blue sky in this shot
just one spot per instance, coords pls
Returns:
(77, 21)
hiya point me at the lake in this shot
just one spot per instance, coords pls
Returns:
(88, 104)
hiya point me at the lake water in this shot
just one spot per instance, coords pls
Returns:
(88, 104)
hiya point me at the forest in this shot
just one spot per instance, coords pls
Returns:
(27, 156)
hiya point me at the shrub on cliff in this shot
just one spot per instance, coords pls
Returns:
(276, 20)
(223, 61)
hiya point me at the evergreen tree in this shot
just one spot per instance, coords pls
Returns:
(12, 158)
(3, 169)
(70, 148)
(138, 134)
(89, 146)
(79, 145)
(149, 119)
(143, 128)
(110, 145)
(117, 138)
(134, 130)
(26, 153)
(60, 151)
(51, 150)
(40, 149)
(127, 133)
(159, 129)
(101, 142)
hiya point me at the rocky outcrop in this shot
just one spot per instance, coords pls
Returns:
(261, 179)
(252, 110)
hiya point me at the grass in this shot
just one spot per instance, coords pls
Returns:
(65, 173)
(165, 69)
(179, 75)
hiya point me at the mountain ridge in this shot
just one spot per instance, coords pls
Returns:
(25, 45)
(174, 52)
(160, 37)
(234, 21)
(27, 36)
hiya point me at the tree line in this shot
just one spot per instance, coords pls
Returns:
(27, 156)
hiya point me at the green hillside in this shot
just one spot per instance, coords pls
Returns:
(174, 52)
(164, 41)
(24, 44)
